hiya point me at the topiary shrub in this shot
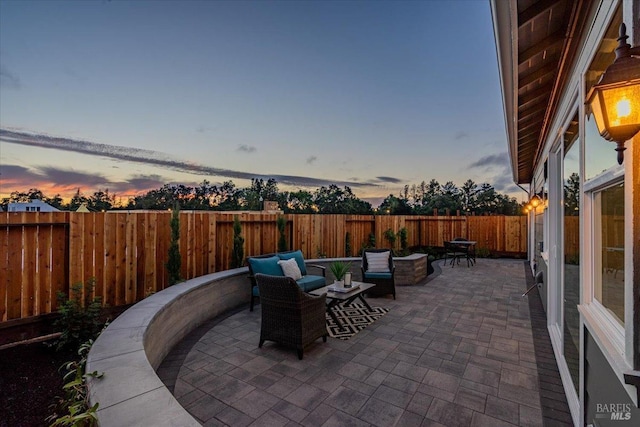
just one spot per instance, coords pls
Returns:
(174, 263)
(347, 244)
(282, 239)
(237, 255)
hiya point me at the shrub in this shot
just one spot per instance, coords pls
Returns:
(79, 319)
(174, 262)
(404, 240)
(237, 255)
(282, 240)
(391, 238)
(483, 253)
(347, 244)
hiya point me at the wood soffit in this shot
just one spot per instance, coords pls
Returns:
(548, 33)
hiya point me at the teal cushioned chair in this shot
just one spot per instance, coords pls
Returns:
(384, 280)
(268, 264)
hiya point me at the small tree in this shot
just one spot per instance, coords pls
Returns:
(237, 255)
(347, 244)
(391, 238)
(372, 240)
(403, 234)
(174, 262)
(282, 239)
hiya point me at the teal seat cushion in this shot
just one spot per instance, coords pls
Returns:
(307, 284)
(297, 255)
(266, 266)
(310, 282)
(377, 275)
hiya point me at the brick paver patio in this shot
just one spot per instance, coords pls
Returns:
(455, 351)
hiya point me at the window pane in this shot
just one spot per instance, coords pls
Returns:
(600, 153)
(571, 196)
(610, 288)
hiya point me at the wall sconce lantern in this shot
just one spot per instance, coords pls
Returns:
(535, 201)
(615, 99)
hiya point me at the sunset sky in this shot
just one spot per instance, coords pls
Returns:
(129, 96)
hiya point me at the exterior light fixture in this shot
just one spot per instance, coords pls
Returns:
(535, 201)
(615, 99)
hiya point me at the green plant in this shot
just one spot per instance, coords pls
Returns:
(391, 238)
(237, 255)
(174, 262)
(282, 240)
(338, 268)
(372, 241)
(404, 240)
(320, 253)
(347, 244)
(483, 253)
(79, 319)
(73, 409)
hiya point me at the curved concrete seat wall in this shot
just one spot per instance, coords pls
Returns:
(131, 348)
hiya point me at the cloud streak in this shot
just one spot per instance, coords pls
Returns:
(247, 148)
(53, 180)
(460, 135)
(389, 179)
(501, 159)
(8, 79)
(156, 158)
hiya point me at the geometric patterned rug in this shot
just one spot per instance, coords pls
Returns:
(354, 318)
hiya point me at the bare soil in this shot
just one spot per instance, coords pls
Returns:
(30, 380)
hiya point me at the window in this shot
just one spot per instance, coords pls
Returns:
(609, 250)
(571, 245)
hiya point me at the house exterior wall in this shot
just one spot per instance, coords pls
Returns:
(32, 206)
(606, 348)
(605, 333)
(606, 402)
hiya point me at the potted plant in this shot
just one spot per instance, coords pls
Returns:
(338, 269)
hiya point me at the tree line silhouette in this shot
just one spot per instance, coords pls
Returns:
(422, 199)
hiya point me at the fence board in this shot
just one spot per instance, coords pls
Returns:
(14, 271)
(131, 259)
(4, 267)
(88, 250)
(141, 256)
(59, 257)
(29, 246)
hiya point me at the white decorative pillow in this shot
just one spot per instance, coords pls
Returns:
(378, 262)
(290, 268)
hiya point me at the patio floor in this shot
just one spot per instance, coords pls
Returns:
(458, 350)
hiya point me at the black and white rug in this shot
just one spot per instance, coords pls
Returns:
(354, 318)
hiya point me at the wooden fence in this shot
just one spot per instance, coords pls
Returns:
(43, 253)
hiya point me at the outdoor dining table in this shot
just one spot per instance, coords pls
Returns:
(465, 246)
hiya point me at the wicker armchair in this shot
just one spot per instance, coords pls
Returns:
(290, 316)
(384, 280)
